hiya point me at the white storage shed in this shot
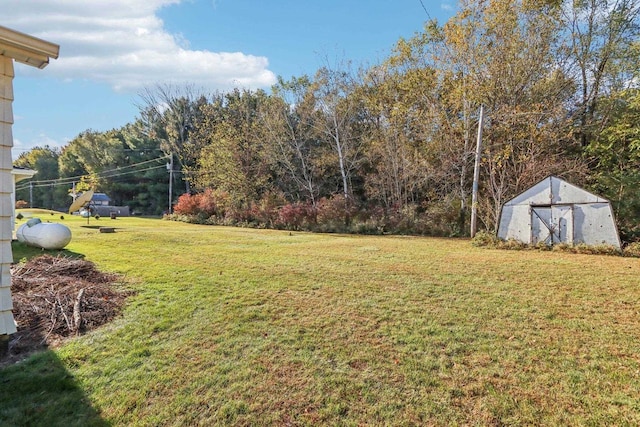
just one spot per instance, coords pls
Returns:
(554, 211)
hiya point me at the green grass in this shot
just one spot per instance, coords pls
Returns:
(235, 326)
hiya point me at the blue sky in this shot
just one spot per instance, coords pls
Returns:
(110, 50)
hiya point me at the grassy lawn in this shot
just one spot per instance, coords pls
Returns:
(236, 326)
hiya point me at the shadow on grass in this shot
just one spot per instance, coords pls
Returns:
(41, 392)
(23, 251)
(98, 227)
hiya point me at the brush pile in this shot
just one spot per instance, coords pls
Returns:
(58, 297)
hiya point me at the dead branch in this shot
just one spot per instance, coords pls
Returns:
(77, 308)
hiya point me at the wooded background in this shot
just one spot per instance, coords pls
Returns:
(388, 147)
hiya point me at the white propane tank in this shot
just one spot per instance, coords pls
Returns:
(46, 235)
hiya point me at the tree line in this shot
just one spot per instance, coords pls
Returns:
(390, 147)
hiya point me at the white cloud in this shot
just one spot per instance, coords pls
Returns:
(40, 140)
(448, 7)
(123, 43)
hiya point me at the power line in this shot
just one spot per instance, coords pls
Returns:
(66, 181)
(426, 11)
(48, 183)
(134, 171)
(103, 174)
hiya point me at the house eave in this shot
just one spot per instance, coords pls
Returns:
(27, 49)
(22, 174)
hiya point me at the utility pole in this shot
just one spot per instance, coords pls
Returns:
(476, 175)
(170, 169)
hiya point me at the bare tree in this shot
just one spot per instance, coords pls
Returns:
(287, 121)
(339, 122)
(172, 113)
(598, 52)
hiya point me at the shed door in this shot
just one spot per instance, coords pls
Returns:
(552, 224)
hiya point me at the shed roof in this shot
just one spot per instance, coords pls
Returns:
(100, 197)
(552, 191)
(26, 49)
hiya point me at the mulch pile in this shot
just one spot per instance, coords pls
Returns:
(58, 297)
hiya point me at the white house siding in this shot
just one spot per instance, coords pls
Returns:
(35, 52)
(7, 324)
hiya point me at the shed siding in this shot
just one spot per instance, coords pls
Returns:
(515, 223)
(595, 225)
(592, 220)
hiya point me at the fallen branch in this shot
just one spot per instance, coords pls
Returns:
(77, 311)
(66, 319)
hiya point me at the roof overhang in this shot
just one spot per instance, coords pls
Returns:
(26, 49)
(22, 174)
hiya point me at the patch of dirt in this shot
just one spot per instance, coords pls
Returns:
(58, 297)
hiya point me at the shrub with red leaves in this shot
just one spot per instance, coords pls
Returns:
(187, 205)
